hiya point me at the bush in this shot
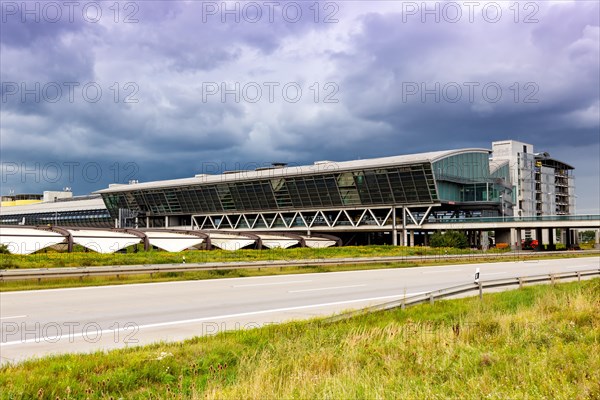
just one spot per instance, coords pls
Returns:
(454, 239)
(4, 249)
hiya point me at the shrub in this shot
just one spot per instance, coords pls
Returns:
(454, 239)
(4, 249)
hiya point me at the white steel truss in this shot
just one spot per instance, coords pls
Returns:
(361, 218)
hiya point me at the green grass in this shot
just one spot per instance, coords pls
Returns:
(537, 342)
(53, 259)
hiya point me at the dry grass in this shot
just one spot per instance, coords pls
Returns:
(537, 342)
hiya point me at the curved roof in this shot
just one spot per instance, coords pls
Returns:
(319, 167)
(495, 165)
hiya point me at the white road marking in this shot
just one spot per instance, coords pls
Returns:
(14, 317)
(325, 288)
(270, 284)
(53, 339)
(440, 271)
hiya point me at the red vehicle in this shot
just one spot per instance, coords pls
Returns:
(529, 244)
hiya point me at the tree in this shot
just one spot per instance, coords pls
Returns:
(587, 236)
(449, 239)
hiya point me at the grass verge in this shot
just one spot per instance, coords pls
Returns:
(54, 259)
(537, 342)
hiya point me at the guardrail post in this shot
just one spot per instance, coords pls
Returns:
(480, 290)
(578, 276)
(431, 300)
(520, 283)
(552, 278)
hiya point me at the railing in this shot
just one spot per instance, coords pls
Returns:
(431, 297)
(519, 219)
(151, 269)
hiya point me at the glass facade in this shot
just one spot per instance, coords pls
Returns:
(466, 178)
(80, 218)
(400, 185)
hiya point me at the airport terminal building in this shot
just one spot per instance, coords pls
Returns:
(325, 195)
(380, 196)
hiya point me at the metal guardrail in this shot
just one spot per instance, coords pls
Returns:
(431, 297)
(117, 270)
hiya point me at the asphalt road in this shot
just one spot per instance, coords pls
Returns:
(38, 323)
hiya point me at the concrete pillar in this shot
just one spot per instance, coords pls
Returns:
(484, 240)
(597, 241)
(412, 238)
(166, 221)
(147, 222)
(404, 232)
(539, 238)
(515, 239)
(426, 238)
(394, 229)
(545, 236)
(568, 241)
(551, 245)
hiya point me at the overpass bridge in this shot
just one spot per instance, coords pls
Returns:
(548, 221)
(408, 229)
(509, 229)
(408, 226)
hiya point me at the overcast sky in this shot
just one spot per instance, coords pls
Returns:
(94, 93)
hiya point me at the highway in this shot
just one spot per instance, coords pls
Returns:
(38, 323)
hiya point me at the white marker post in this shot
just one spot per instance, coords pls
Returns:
(479, 284)
(183, 260)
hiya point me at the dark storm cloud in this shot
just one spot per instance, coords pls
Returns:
(404, 57)
(169, 51)
(40, 24)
